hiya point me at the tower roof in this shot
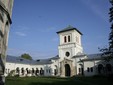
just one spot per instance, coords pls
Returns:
(68, 29)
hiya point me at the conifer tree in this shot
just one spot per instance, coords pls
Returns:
(107, 52)
(111, 29)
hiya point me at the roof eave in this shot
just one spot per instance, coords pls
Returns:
(69, 30)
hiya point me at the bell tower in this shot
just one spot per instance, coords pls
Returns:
(69, 46)
(70, 42)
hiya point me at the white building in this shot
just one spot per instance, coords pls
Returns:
(71, 60)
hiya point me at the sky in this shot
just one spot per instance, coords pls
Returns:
(35, 23)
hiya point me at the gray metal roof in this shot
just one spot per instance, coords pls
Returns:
(68, 29)
(15, 59)
(43, 61)
(79, 55)
(55, 58)
(97, 55)
(93, 57)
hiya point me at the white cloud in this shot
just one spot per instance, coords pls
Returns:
(20, 34)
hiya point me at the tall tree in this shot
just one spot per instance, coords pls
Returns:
(111, 28)
(26, 56)
(107, 52)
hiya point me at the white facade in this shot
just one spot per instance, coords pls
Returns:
(44, 67)
(73, 46)
(71, 60)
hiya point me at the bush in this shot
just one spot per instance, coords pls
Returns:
(12, 72)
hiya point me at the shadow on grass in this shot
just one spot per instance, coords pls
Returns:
(58, 81)
(55, 83)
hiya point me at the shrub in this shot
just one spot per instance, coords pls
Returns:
(12, 72)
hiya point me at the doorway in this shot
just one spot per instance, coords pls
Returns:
(67, 70)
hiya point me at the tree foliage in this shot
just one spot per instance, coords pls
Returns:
(26, 56)
(110, 49)
(111, 29)
(107, 53)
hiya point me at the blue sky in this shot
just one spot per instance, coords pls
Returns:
(35, 23)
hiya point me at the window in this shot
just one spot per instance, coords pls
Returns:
(65, 39)
(79, 70)
(33, 71)
(41, 71)
(21, 59)
(100, 68)
(37, 71)
(17, 70)
(49, 70)
(91, 69)
(27, 70)
(55, 71)
(67, 54)
(108, 67)
(37, 60)
(88, 69)
(22, 71)
(68, 38)
(46, 70)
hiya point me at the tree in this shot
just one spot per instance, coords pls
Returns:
(111, 28)
(107, 52)
(26, 56)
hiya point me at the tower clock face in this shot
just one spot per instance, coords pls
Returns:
(67, 54)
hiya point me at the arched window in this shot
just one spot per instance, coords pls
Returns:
(65, 40)
(36, 72)
(22, 71)
(41, 71)
(91, 69)
(56, 70)
(33, 71)
(87, 69)
(17, 70)
(27, 70)
(68, 38)
(108, 67)
(100, 68)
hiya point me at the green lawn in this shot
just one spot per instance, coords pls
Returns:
(57, 81)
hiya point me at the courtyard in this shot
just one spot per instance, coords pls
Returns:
(58, 81)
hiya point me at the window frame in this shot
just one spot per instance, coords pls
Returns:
(65, 39)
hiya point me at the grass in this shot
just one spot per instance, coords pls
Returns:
(57, 81)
